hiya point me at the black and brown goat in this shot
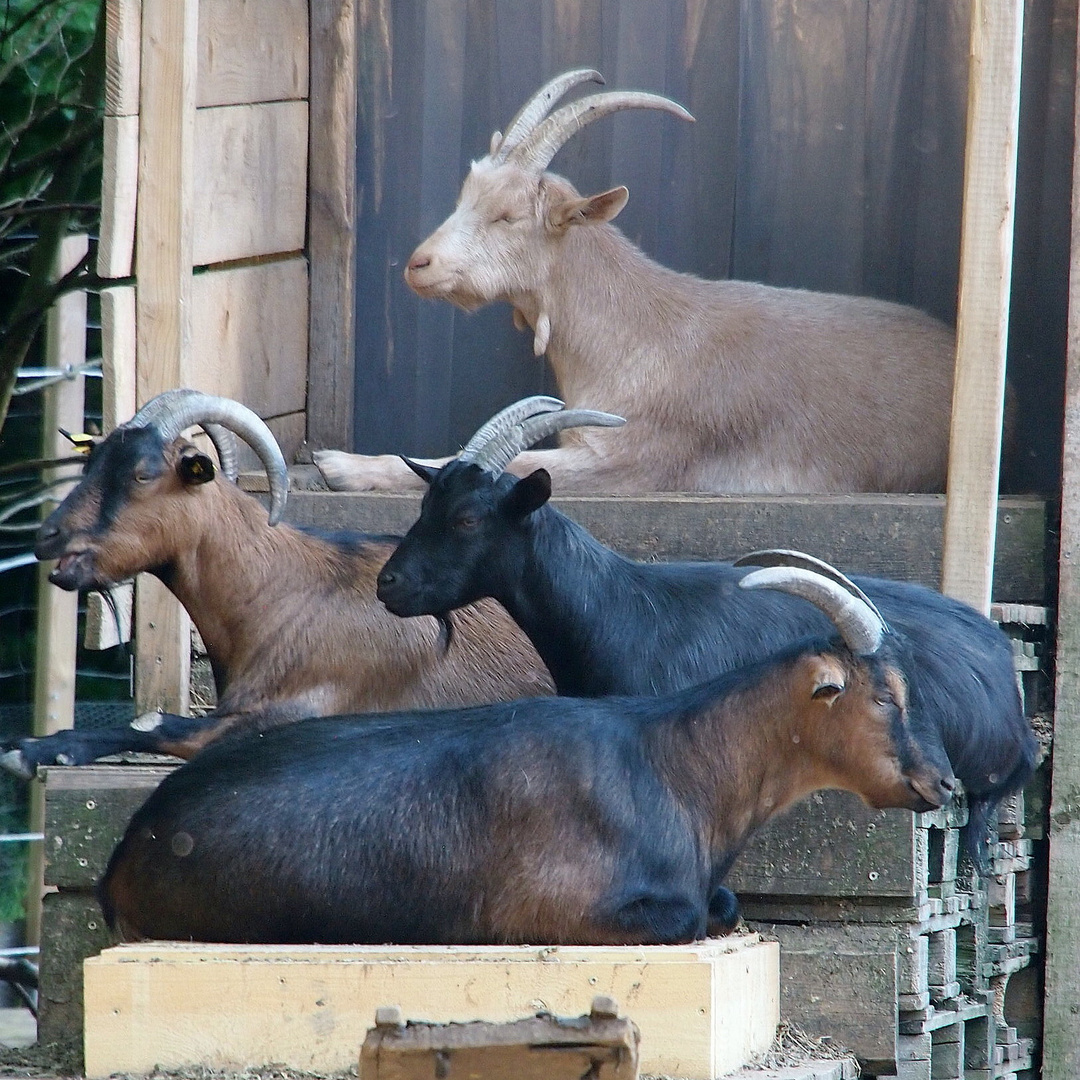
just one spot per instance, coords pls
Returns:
(546, 820)
(608, 625)
(289, 616)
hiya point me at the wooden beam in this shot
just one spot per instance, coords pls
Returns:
(57, 611)
(1061, 1005)
(983, 313)
(163, 266)
(703, 1009)
(332, 222)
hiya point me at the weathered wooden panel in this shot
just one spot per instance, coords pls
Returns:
(250, 332)
(119, 175)
(86, 812)
(254, 50)
(72, 928)
(702, 1009)
(841, 981)
(832, 845)
(332, 215)
(887, 536)
(123, 54)
(253, 202)
(541, 1047)
(801, 186)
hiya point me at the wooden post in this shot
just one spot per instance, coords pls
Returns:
(983, 314)
(57, 611)
(1061, 1014)
(163, 267)
(332, 223)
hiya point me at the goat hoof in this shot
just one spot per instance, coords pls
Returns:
(14, 761)
(150, 721)
(66, 759)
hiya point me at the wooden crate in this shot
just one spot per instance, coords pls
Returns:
(703, 1010)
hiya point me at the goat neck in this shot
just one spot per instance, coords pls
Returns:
(752, 743)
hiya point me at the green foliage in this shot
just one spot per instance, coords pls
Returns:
(52, 79)
(13, 856)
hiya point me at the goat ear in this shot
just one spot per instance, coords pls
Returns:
(591, 211)
(426, 472)
(528, 494)
(496, 142)
(195, 467)
(827, 680)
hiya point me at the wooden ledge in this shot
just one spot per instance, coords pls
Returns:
(703, 1010)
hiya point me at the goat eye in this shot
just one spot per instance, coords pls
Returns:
(505, 219)
(466, 523)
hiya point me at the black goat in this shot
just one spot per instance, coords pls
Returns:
(542, 820)
(289, 616)
(604, 624)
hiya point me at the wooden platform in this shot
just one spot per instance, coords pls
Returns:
(703, 1010)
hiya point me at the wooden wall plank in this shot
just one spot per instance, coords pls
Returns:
(1061, 1005)
(249, 334)
(57, 615)
(983, 314)
(252, 51)
(163, 263)
(801, 155)
(117, 406)
(887, 536)
(119, 187)
(332, 216)
(253, 201)
(123, 45)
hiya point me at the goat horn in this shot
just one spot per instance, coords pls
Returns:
(539, 105)
(861, 627)
(521, 425)
(506, 419)
(537, 149)
(224, 441)
(183, 408)
(789, 557)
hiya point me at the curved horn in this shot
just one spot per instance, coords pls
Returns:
(183, 408)
(537, 149)
(861, 627)
(506, 419)
(504, 448)
(539, 105)
(790, 557)
(224, 441)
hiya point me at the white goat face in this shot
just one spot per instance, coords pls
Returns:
(503, 238)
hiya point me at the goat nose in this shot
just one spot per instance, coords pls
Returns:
(948, 783)
(419, 262)
(386, 579)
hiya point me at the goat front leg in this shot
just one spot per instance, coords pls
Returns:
(370, 472)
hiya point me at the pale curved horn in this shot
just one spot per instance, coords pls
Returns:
(506, 419)
(537, 149)
(183, 408)
(539, 105)
(861, 627)
(525, 422)
(790, 557)
(224, 441)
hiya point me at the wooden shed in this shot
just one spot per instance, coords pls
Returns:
(271, 163)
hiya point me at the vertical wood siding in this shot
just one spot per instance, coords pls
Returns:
(827, 154)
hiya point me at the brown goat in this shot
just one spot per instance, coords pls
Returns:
(289, 617)
(727, 386)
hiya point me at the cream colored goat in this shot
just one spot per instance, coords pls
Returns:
(726, 386)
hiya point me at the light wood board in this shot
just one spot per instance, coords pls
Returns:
(702, 1009)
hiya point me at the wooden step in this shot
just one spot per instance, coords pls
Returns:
(703, 1010)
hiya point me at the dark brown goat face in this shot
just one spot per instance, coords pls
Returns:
(123, 516)
(858, 720)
